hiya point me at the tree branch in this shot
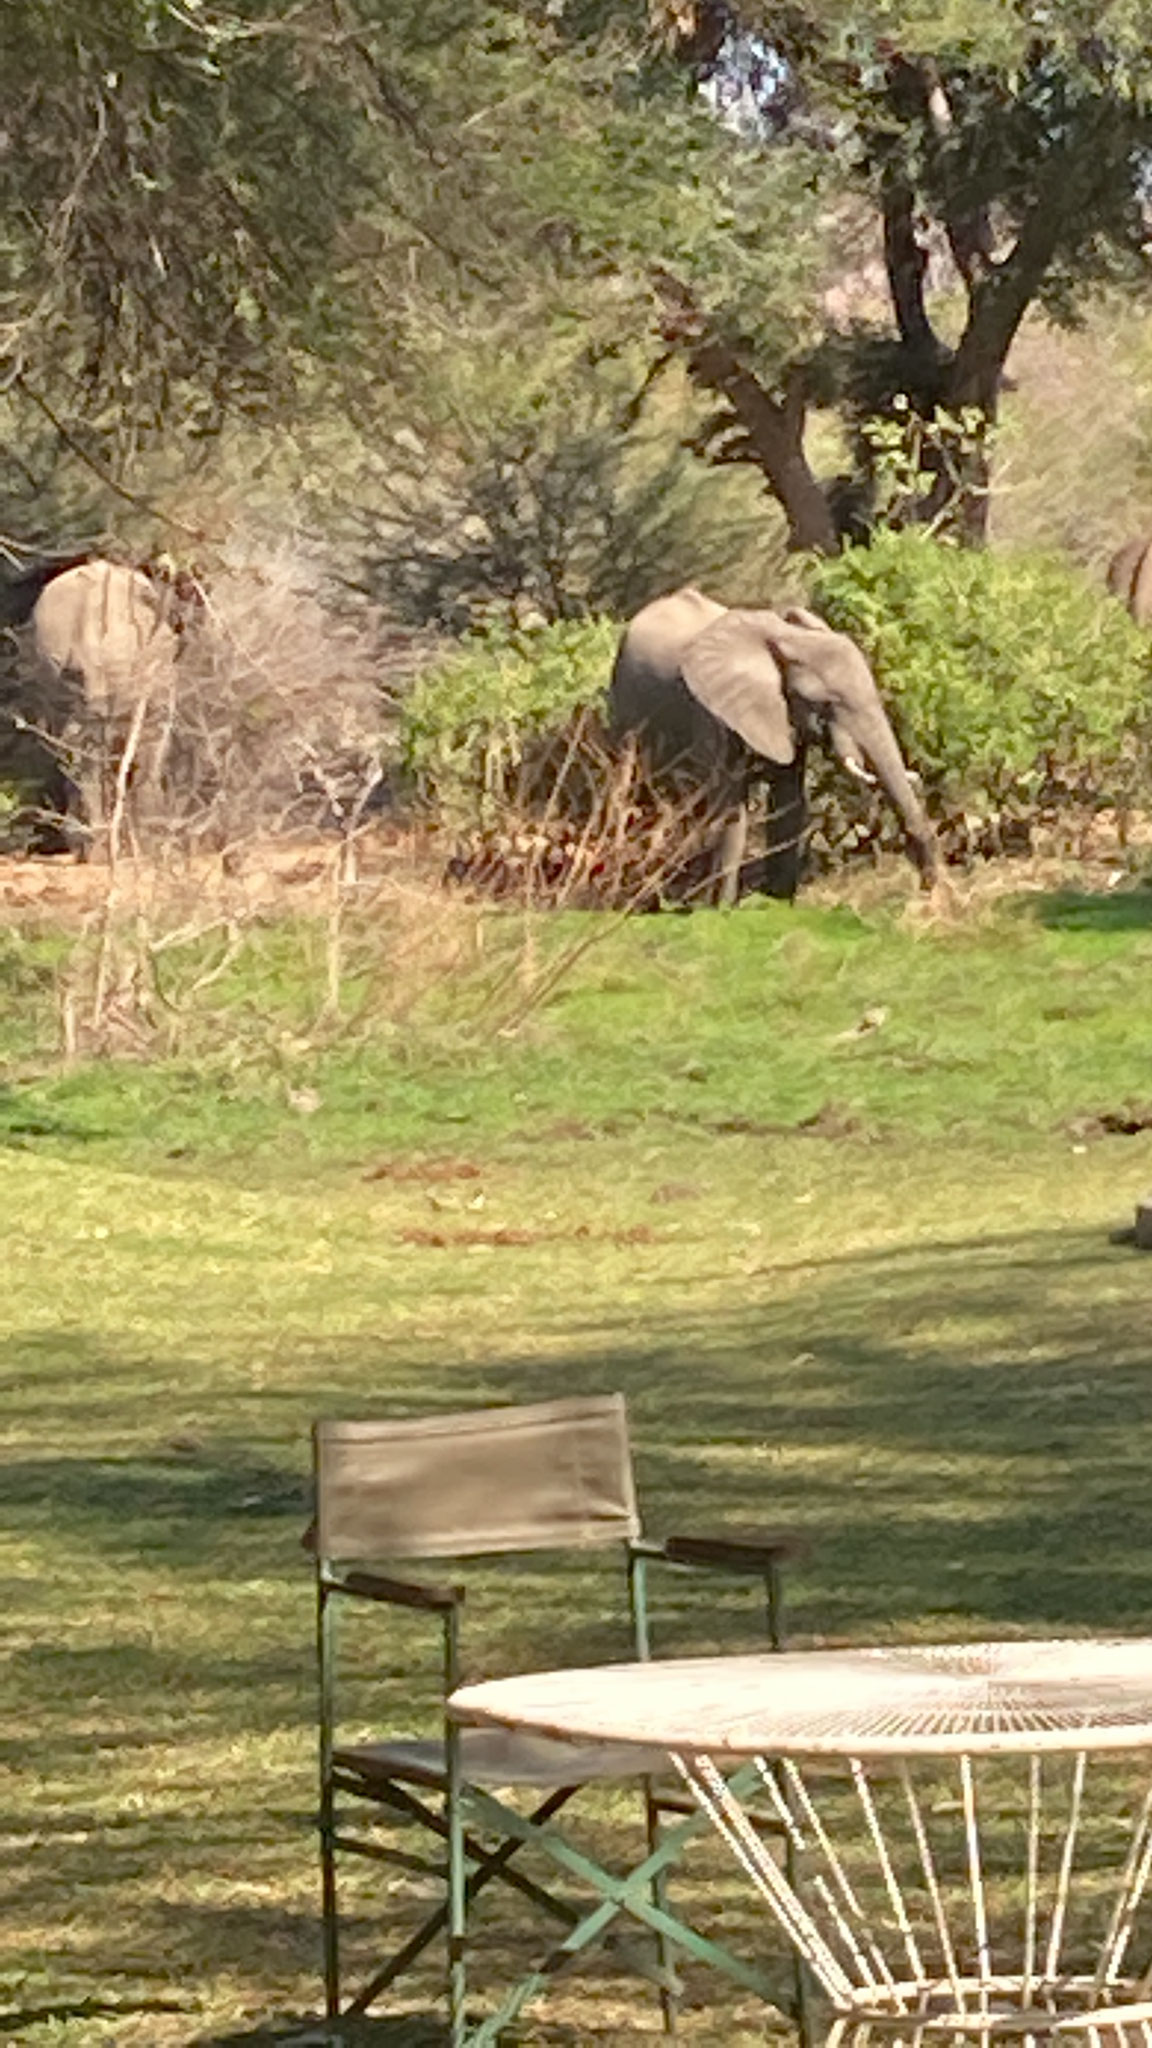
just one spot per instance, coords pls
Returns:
(969, 229)
(770, 429)
(76, 448)
(999, 301)
(906, 261)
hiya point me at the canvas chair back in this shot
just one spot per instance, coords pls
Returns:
(542, 1476)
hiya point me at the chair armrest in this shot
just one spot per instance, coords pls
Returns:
(395, 1592)
(751, 1556)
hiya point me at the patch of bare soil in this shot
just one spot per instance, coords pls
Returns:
(424, 1170)
(257, 879)
(829, 1121)
(269, 876)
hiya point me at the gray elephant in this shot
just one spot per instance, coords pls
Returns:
(97, 658)
(1130, 578)
(734, 698)
(110, 626)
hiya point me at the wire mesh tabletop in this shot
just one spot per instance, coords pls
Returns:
(956, 1838)
(864, 1702)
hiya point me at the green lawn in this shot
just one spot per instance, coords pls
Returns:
(821, 1192)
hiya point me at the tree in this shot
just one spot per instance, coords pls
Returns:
(1017, 136)
(495, 438)
(695, 164)
(318, 212)
(176, 187)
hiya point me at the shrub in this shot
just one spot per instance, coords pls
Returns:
(493, 715)
(505, 744)
(1017, 688)
(279, 708)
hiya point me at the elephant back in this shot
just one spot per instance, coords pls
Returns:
(104, 623)
(20, 590)
(648, 695)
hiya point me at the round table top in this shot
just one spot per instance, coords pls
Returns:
(900, 1700)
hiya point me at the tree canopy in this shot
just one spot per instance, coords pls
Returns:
(359, 207)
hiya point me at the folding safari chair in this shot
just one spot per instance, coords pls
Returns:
(550, 1476)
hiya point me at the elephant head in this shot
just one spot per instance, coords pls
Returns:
(779, 680)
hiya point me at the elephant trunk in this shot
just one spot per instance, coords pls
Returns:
(876, 740)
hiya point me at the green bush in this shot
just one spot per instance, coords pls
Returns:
(475, 725)
(1016, 686)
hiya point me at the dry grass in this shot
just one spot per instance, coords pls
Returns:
(363, 917)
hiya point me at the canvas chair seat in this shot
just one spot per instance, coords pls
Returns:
(499, 1758)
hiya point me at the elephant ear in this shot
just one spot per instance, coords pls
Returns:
(731, 670)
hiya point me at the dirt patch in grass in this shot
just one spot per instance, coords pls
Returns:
(266, 875)
(829, 1121)
(419, 1169)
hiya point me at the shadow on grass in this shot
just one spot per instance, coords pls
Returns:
(19, 1123)
(1080, 910)
(961, 1430)
(166, 1503)
(962, 1433)
(17, 2019)
(409, 2030)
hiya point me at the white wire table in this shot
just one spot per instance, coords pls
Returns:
(961, 1838)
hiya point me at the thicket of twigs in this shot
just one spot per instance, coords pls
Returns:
(270, 720)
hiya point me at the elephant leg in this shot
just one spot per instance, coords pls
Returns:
(733, 841)
(786, 823)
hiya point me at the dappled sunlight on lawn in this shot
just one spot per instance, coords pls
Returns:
(908, 1339)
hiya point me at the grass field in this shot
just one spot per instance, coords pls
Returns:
(827, 1193)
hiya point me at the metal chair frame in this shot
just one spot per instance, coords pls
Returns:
(480, 1834)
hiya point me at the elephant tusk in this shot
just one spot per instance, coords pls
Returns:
(858, 769)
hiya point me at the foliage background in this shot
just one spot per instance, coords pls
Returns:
(1019, 687)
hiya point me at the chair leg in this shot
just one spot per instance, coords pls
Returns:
(669, 2001)
(630, 1896)
(806, 2034)
(329, 1914)
(801, 1989)
(457, 1898)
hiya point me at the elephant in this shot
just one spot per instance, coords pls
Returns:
(99, 650)
(1130, 578)
(735, 697)
(109, 625)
